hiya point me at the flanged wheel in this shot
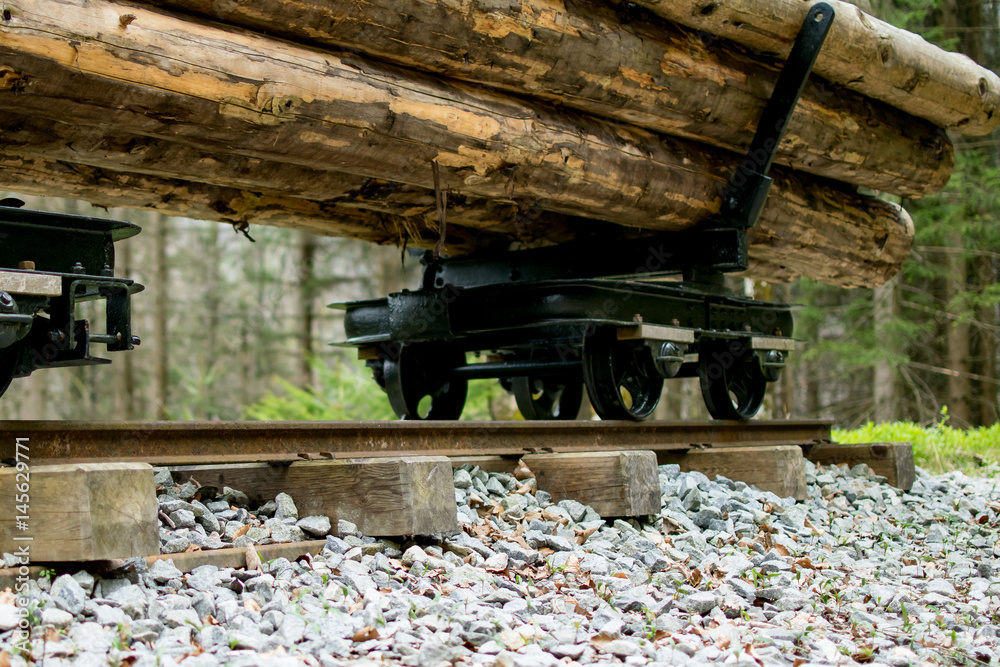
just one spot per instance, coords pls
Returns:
(419, 383)
(548, 397)
(622, 382)
(732, 382)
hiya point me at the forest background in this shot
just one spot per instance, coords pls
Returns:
(233, 329)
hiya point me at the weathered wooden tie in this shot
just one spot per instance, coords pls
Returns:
(80, 512)
(892, 460)
(780, 469)
(185, 562)
(410, 495)
(613, 483)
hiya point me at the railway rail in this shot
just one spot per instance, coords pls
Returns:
(170, 443)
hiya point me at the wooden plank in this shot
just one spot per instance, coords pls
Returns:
(185, 562)
(81, 512)
(35, 284)
(892, 460)
(613, 483)
(383, 497)
(779, 469)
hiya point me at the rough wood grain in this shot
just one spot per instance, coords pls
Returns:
(613, 483)
(413, 222)
(511, 227)
(83, 512)
(892, 460)
(383, 497)
(635, 68)
(862, 53)
(185, 562)
(779, 469)
(80, 70)
(84, 70)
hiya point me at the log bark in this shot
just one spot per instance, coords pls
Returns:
(862, 53)
(272, 102)
(771, 257)
(110, 188)
(636, 69)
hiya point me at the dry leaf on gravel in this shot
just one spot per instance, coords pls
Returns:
(552, 516)
(572, 564)
(527, 487)
(252, 559)
(600, 640)
(522, 471)
(366, 633)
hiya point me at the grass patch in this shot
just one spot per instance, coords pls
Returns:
(936, 448)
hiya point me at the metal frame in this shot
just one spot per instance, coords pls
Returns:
(50, 262)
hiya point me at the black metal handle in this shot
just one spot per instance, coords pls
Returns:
(747, 189)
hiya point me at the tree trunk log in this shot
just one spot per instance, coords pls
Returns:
(862, 53)
(648, 72)
(837, 260)
(85, 70)
(108, 188)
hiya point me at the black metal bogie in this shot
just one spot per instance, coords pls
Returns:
(550, 339)
(53, 262)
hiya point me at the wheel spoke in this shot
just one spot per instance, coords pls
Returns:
(548, 397)
(734, 391)
(419, 372)
(611, 366)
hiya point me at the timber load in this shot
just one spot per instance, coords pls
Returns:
(540, 121)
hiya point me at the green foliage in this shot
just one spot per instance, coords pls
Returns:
(345, 390)
(938, 447)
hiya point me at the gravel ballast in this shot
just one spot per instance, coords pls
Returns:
(725, 574)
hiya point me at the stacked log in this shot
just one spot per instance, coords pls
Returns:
(589, 124)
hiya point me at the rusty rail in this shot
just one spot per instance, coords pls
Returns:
(171, 443)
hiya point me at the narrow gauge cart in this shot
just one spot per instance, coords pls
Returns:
(597, 316)
(49, 263)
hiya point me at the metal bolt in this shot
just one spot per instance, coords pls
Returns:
(57, 336)
(6, 302)
(26, 265)
(78, 268)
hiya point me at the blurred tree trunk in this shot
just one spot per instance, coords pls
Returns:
(213, 293)
(161, 315)
(986, 315)
(886, 381)
(959, 347)
(306, 314)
